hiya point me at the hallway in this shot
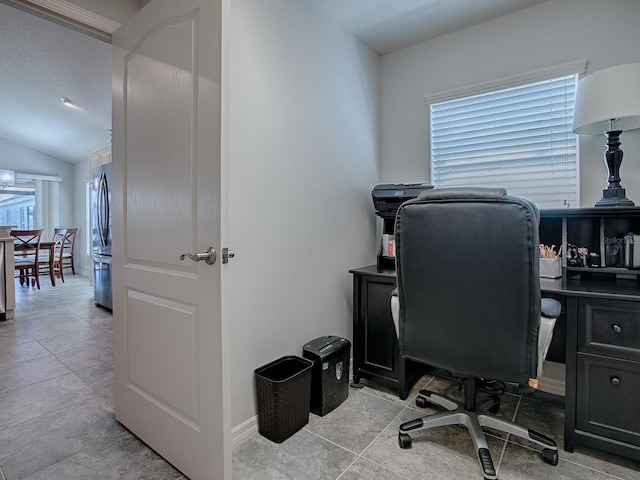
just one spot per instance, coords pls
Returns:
(57, 417)
(56, 392)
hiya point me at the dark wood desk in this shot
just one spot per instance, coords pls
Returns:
(601, 305)
(376, 354)
(44, 246)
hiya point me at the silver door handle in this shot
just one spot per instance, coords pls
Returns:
(209, 256)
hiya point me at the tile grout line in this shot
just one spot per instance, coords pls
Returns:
(330, 441)
(405, 407)
(359, 455)
(506, 443)
(506, 440)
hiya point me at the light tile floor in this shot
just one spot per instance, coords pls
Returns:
(56, 392)
(358, 441)
(57, 417)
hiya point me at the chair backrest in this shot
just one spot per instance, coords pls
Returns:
(58, 241)
(468, 286)
(58, 235)
(70, 240)
(27, 242)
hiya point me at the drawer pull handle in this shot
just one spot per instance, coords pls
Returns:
(615, 381)
(617, 328)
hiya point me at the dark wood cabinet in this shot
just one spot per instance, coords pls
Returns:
(603, 376)
(376, 354)
(602, 304)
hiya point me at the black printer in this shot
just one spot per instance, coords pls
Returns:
(387, 198)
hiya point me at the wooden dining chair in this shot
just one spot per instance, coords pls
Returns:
(27, 255)
(67, 251)
(59, 235)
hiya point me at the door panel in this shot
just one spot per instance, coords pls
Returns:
(170, 330)
(160, 183)
(171, 384)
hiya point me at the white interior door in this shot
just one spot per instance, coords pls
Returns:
(171, 384)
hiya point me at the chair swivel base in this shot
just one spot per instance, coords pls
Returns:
(474, 421)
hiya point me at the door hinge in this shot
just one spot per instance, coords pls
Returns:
(226, 255)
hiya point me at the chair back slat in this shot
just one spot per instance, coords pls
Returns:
(67, 246)
(27, 255)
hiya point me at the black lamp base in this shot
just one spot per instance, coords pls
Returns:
(614, 197)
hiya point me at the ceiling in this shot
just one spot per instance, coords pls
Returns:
(42, 61)
(388, 25)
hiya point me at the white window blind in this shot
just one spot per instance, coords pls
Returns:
(519, 138)
(87, 219)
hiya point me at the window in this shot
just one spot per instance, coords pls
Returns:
(517, 137)
(17, 204)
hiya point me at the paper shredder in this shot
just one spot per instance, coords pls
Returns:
(330, 372)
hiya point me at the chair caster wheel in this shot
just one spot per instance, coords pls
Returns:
(421, 402)
(404, 440)
(550, 456)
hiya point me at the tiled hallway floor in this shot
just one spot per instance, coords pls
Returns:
(56, 392)
(57, 417)
(358, 441)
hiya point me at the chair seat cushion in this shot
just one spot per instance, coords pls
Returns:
(550, 308)
(29, 259)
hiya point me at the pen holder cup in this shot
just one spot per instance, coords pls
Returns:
(550, 267)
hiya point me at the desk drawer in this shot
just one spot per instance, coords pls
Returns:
(609, 327)
(607, 398)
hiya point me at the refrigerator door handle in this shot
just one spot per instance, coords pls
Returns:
(103, 210)
(98, 258)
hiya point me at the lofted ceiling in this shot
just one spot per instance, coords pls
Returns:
(41, 61)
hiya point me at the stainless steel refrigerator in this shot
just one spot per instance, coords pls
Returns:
(101, 220)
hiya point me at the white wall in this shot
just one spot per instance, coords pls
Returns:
(550, 33)
(80, 177)
(303, 157)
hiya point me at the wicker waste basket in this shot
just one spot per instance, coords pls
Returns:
(284, 391)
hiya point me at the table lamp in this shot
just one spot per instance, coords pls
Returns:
(608, 101)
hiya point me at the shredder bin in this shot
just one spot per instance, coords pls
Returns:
(330, 372)
(283, 388)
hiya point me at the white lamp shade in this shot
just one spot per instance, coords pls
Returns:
(608, 94)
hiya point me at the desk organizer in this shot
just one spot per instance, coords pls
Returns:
(551, 267)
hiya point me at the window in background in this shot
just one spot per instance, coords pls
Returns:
(17, 204)
(518, 137)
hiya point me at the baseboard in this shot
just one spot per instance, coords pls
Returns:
(553, 378)
(244, 431)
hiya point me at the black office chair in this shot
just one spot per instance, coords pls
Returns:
(469, 303)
